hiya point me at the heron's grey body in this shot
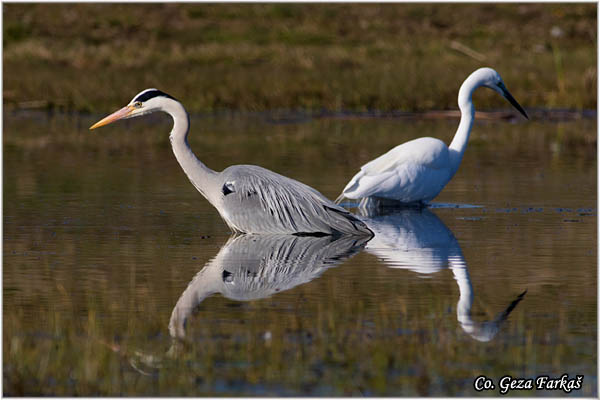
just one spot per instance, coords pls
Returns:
(250, 199)
(254, 199)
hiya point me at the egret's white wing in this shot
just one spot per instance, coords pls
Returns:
(413, 171)
(407, 183)
(428, 152)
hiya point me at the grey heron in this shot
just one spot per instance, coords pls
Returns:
(250, 199)
(418, 170)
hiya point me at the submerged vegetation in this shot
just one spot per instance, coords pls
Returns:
(93, 57)
(314, 349)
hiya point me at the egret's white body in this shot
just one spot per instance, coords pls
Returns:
(414, 171)
(250, 199)
(418, 170)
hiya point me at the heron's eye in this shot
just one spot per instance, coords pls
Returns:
(137, 104)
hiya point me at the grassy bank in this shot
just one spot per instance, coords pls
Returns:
(94, 57)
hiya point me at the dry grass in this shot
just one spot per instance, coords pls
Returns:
(264, 56)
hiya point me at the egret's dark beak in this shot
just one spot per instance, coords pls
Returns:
(117, 115)
(511, 99)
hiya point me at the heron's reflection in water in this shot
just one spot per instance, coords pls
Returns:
(252, 267)
(416, 239)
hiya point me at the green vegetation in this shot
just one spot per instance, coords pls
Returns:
(94, 57)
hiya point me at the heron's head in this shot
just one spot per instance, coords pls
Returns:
(145, 102)
(489, 78)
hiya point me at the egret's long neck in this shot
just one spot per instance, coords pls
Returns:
(467, 115)
(199, 174)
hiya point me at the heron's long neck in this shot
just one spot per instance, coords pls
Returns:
(199, 174)
(467, 115)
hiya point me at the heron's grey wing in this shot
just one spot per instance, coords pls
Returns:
(256, 200)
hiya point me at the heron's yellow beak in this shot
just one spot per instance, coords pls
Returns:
(122, 113)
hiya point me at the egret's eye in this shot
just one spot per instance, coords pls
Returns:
(137, 104)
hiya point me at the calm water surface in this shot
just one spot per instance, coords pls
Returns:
(120, 279)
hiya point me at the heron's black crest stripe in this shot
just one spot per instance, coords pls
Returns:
(150, 94)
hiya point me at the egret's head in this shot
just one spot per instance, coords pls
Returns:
(488, 77)
(145, 102)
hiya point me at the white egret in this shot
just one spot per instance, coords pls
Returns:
(418, 170)
(250, 199)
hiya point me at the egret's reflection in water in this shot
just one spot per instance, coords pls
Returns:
(252, 267)
(416, 239)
